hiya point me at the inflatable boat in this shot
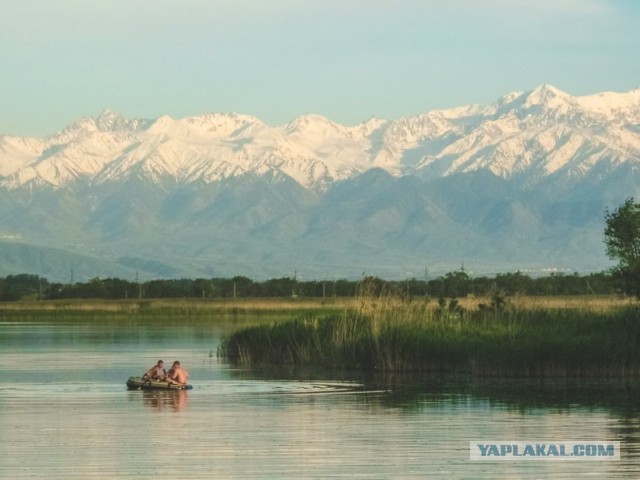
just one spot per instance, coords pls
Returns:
(138, 383)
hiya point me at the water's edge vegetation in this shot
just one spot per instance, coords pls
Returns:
(392, 335)
(572, 336)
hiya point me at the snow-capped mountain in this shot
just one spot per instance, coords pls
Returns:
(535, 134)
(520, 183)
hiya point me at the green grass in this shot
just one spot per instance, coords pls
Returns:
(389, 335)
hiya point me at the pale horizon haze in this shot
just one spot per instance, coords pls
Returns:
(348, 60)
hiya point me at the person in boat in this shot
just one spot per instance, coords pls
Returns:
(156, 372)
(177, 375)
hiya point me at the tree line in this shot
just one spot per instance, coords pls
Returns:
(451, 285)
(622, 242)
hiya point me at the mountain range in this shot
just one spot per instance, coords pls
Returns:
(521, 184)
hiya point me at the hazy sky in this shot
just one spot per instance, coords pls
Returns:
(278, 59)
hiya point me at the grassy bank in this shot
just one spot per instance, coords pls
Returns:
(203, 311)
(317, 305)
(178, 306)
(391, 335)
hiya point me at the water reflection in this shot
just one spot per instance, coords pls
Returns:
(412, 391)
(64, 385)
(161, 400)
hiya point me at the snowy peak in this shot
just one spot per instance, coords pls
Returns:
(543, 101)
(222, 125)
(110, 121)
(611, 104)
(165, 125)
(313, 126)
(548, 96)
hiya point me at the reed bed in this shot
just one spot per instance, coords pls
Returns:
(387, 334)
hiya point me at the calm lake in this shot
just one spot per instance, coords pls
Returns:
(65, 413)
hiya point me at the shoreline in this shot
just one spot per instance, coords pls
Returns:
(393, 337)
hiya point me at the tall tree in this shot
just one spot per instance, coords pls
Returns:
(622, 239)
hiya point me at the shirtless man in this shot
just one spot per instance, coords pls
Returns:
(156, 372)
(177, 374)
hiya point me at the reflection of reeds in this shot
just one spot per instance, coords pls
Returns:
(392, 334)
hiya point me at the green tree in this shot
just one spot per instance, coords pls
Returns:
(622, 239)
(453, 284)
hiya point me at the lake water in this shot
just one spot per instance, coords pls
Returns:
(65, 413)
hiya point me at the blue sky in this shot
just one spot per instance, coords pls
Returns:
(277, 59)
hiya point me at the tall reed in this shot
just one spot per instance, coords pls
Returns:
(392, 334)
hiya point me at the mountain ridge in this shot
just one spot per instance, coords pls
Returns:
(316, 151)
(521, 183)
